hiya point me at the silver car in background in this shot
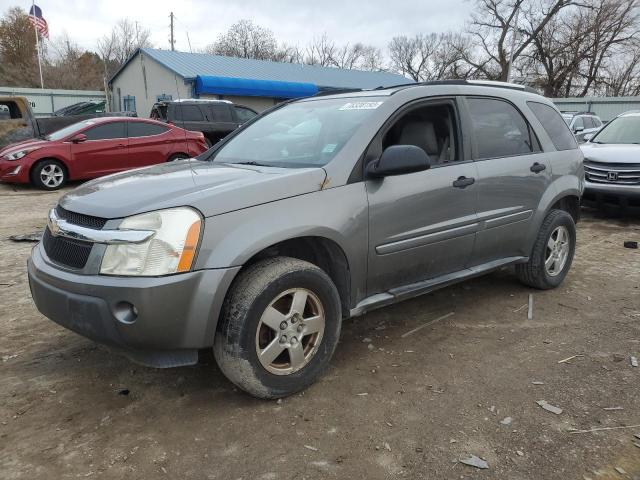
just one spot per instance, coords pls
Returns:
(583, 124)
(612, 164)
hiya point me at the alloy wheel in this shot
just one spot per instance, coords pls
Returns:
(52, 175)
(557, 251)
(290, 331)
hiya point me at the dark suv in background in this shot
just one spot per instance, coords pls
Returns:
(214, 118)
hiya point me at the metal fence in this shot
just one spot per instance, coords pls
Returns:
(607, 108)
(46, 101)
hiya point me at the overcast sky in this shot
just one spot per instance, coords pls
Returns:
(294, 21)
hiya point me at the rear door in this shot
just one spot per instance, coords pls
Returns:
(513, 174)
(422, 225)
(149, 143)
(105, 150)
(190, 117)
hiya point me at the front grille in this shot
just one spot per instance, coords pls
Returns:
(65, 251)
(80, 219)
(612, 173)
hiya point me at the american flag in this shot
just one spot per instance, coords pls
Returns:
(38, 21)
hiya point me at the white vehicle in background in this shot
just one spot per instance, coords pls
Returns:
(612, 164)
(582, 124)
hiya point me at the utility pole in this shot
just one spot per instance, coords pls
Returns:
(513, 44)
(173, 42)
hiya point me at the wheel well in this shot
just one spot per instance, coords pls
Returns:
(173, 155)
(323, 253)
(570, 204)
(38, 162)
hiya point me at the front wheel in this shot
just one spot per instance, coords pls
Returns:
(49, 175)
(552, 253)
(279, 327)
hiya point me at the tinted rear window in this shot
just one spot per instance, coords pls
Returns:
(142, 129)
(553, 124)
(500, 129)
(188, 113)
(220, 113)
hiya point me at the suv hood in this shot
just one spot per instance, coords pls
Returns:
(611, 153)
(211, 188)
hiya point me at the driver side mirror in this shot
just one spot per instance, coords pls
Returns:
(79, 138)
(578, 129)
(399, 160)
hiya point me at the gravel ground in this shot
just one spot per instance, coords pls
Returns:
(391, 406)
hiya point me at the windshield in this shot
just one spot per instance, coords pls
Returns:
(69, 130)
(298, 135)
(621, 130)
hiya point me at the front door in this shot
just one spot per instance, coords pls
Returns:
(104, 151)
(422, 225)
(513, 174)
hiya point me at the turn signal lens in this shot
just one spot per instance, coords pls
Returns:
(189, 250)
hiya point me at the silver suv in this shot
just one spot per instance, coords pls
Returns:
(583, 124)
(317, 210)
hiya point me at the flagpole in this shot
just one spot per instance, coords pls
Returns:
(37, 46)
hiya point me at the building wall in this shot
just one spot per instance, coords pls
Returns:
(257, 103)
(145, 79)
(607, 108)
(45, 102)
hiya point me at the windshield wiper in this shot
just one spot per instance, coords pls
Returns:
(255, 164)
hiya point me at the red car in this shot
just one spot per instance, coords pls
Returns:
(96, 147)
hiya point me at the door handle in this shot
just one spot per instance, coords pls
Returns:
(464, 182)
(538, 167)
(121, 145)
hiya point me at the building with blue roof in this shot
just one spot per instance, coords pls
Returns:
(152, 75)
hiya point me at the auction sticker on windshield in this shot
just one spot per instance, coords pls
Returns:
(360, 106)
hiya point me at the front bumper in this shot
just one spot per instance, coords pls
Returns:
(175, 315)
(8, 171)
(611, 194)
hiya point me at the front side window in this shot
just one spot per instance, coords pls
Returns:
(299, 135)
(499, 129)
(553, 124)
(430, 127)
(143, 129)
(578, 124)
(188, 113)
(244, 114)
(622, 130)
(107, 131)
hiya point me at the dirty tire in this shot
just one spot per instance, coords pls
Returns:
(533, 273)
(178, 156)
(251, 293)
(41, 170)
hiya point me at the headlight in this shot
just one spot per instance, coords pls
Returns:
(171, 250)
(19, 154)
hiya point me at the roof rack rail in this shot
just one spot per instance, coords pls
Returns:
(337, 91)
(482, 83)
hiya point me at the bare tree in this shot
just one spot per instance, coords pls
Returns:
(492, 25)
(246, 40)
(123, 40)
(430, 57)
(321, 51)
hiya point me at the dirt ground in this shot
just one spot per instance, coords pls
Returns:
(397, 407)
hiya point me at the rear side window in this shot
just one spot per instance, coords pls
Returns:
(553, 124)
(220, 113)
(588, 122)
(579, 123)
(142, 129)
(188, 113)
(10, 110)
(107, 131)
(500, 130)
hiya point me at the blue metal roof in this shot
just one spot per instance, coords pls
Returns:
(191, 65)
(253, 88)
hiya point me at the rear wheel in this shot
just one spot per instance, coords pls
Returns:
(279, 327)
(552, 253)
(49, 175)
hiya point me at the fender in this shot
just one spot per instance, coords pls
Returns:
(232, 239)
